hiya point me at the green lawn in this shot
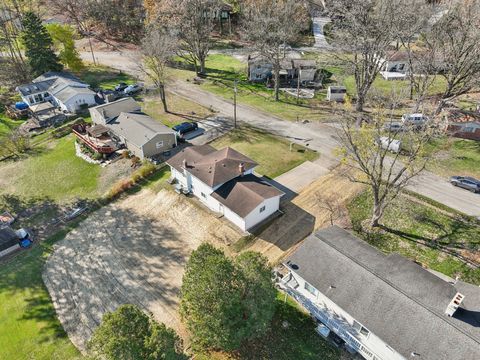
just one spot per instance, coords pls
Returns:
(223, 70)
(271, 153)
(408, 223)
(451, 156)
(296, 341)
(28, 323)
(7, 124)
(180, 110)
(52, 172)
(104, 77)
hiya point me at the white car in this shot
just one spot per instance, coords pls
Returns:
(414, 119)
(132, 89)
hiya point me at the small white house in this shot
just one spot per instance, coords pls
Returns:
(63, 90)
(336, 93)
(223, 180)
(395, 65)
(382, 307)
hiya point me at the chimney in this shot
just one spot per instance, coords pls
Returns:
(241, 168)
(454, 304)
(184, 163)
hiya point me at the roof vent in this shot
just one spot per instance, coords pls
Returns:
(241, 168)
(454, 304)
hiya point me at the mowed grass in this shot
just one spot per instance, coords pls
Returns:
(7, 124)
(223, 70)
(297, 340)
(413, 229)
(28, 323)
(452, 156)
(180, 110)
(271, 152)
(52, 172)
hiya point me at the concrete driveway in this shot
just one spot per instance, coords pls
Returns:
(134, 252)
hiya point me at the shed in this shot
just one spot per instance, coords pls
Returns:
(8, 238)
(336, 93)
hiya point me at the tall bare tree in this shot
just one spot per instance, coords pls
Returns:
(363, 31)
(455, 39)
(367, 148)
(272, 24)
(158, 48)
(192, 23)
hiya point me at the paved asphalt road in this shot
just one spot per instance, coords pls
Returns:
(320, 137)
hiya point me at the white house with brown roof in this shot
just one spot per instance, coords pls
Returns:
(224, 181)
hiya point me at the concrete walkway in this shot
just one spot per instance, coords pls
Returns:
(303, 175)
(318, 33)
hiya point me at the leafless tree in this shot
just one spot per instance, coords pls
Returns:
(158, 48)
(270, 25)
(367, 149)
(363, 31)
(455, 39)
(13, 67)
(410, 24)
(192, 23)
(332, 205)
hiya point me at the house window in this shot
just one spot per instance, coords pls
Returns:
(310, 289)
(262, 209)
(469, 129)
(159, 144)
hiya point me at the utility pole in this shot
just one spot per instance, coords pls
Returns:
(235, 104)
(298, 85)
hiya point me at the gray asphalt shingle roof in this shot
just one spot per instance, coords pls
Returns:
(396, 299)
(138, 128)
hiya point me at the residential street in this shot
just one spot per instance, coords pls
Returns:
(320, 137)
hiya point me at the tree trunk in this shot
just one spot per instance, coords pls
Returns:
(202, 66)
(360, 103)
(377, 213)
(277, 84)
(163, 97)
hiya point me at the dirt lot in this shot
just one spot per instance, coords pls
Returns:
(132, 251)
(311, 209)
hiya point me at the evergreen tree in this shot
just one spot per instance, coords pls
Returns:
(128, 333)
(226, 302)
(38, 46)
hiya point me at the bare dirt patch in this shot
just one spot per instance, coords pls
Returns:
(306, 213)
(133, 251)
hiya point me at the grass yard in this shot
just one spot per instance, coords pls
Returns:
(51, 172)
(104, 77)
(271, 152)
(451, 156)
(296, 341)
(7, 124)
(180, 110)
(30, 329)
(223, 70)
(408, 225)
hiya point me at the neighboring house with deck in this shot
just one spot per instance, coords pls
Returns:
(383, 307)
(224, 181)
(129, 126)
(63, 90)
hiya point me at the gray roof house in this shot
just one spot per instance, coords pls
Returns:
(382, 306)
(61, 89)
(141, 134)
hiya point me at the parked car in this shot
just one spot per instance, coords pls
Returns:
(466, 182)
(417, 120)
(132, 89)
(121, 86)
(394, 127)
(185, 127)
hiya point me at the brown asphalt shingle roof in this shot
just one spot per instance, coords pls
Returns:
(213, 167)
(244, 194)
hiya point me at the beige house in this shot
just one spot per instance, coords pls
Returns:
(138, 132)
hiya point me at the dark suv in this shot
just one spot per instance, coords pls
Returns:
(185, 127)
(466, 182)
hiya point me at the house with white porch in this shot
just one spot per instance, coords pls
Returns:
(382, 307)
(63, 90)
(225, 182)
(395, 65)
